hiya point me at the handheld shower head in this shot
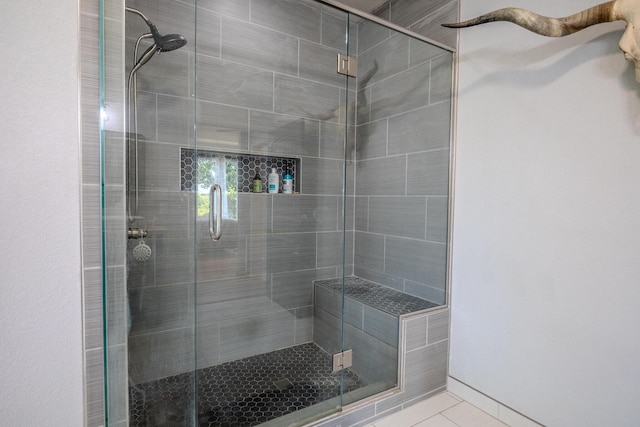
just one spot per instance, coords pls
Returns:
(170, 42)
(165, 43)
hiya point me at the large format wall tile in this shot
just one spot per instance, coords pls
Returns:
(416, 260)
(370, 34)
(174, 118)
(334, 22)
(333, 247)
(300, 213)
(381, 177)
(438, 219)
(441, 77)
(250, 44)
(232, 298)
(428, 173)
(322, 176)
(390, 56)
(222, 127)
(298, 18)
(404, 12)
(406, 91)
(236, 8)
(256, 334)
(167, 74)
(303, 325)
(277, 253)
(301, 97)
(371, 140)
(295, 289)
(160, 308)
(284, 134)
(398, 216)
(161, 354)
(423, 129)
(318, 63)
(208, 31)
(232, 83)
(369, 251)
(430, 27)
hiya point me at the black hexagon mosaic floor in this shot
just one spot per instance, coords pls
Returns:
(242, 393)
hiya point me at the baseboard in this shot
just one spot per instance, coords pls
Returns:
(489, 405)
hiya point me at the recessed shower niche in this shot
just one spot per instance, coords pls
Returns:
(200, 168)
(307, 305)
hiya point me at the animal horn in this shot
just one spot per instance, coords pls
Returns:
(550, 27)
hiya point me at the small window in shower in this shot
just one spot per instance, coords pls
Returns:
(199, 172)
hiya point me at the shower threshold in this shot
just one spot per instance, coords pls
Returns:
(241, 393)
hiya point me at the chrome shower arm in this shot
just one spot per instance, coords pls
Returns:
(140, 14)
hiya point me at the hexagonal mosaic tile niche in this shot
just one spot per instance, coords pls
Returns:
(201, 167)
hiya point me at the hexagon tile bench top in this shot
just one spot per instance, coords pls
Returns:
(383, 298)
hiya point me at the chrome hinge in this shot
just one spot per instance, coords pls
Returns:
(342, 360)
(347, 65)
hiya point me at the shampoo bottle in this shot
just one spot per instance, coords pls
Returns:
(273, 181)
(287, 182)
(257, 183)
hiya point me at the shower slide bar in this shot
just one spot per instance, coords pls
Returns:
(161, 43)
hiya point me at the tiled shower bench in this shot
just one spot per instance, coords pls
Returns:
(371, 324)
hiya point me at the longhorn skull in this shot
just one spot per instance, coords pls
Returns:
(618, 10)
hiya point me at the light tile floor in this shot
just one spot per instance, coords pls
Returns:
(442, 410)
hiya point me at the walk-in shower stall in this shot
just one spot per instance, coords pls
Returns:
(275, 202)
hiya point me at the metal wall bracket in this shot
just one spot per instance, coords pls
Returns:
(342, 360)
(136, 233)
(347, 65)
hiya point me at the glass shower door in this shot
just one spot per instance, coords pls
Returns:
(268, 101)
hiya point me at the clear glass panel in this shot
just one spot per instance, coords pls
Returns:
(159, 78)
(114, 225)
(399, 160)
(268, 97)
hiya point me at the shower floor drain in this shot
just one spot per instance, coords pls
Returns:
(242, 393)
(283, 384)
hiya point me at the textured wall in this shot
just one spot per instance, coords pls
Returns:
(41, 363)
(546, 250)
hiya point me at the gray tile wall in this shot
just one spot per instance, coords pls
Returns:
(402, 168)
(264, 81)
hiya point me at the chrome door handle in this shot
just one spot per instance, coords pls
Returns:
(215, 219)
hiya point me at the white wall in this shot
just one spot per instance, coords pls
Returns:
(40, 284)
(546, 247)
